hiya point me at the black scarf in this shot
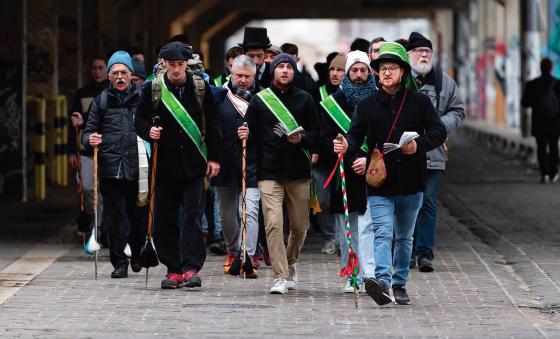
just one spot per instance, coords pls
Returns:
(245, 95)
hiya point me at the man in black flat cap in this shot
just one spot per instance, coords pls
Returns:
(189, 148)
(255, 44)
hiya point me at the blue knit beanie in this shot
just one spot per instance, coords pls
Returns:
(280, 58)
(120, 57)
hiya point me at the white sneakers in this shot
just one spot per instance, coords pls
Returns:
(280, 286)
(292, 277)
(349, 289)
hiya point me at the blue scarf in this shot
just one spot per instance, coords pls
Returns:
(354, 92)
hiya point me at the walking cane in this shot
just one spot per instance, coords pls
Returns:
(352, 267)
(82, 219)
(244, 209)
(148, 255)
(95, 150)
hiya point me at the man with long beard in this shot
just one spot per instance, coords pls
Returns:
(445, 97)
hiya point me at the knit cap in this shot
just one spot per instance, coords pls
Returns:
(120, 57)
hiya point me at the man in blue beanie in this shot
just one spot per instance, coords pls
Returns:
(110, 128)
(284, 124)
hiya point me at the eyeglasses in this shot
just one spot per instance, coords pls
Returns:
(391, 69)
(422, 51)
(123, 73)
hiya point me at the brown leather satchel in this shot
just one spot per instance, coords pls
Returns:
(376, 172)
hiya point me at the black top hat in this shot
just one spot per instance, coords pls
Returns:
(255, 37)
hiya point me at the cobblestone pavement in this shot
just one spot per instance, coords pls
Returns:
(495, 277)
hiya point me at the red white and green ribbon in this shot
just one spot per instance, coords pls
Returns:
(352, 267)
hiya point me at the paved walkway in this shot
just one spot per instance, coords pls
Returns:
(496, 276)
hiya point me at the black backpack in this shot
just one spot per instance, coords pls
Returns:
(547, 104)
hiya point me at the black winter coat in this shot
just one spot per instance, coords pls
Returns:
(355, 183)
(277, 159)
(118, 151)
(178, 155)
(374, 118)
(231, 163)
(542, 123)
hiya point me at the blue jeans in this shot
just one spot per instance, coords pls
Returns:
(425, 230)
(393, 213)
(366, 238)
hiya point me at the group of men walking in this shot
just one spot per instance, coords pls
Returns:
(266, 138)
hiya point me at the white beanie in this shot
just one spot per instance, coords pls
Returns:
(355, 57)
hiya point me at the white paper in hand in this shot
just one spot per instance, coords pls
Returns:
(406, 137)
(280, 130)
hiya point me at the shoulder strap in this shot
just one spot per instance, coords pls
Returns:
(156, 91)
(398, 114)
(199, 92)
(199, 89)
(439, 85)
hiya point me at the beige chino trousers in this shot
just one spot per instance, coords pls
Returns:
(296, 193)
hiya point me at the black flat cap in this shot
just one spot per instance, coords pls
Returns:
(176, 50)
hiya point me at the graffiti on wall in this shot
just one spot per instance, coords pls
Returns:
(10, 130)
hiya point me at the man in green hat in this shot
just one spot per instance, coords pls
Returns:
(384, 117)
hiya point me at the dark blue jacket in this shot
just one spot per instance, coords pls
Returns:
(113, 118)
(231, 162)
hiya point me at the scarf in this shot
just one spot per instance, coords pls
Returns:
(355, 92)
(245, 95)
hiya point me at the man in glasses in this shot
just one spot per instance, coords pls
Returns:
(110, 127)
(445, 97)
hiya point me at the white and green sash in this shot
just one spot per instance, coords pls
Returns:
(336, 113)
(281, 113)
(183, 118)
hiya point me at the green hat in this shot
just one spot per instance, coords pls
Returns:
(394, 52)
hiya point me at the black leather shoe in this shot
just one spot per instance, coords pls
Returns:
(378, 291)
(119, 272)
(425, 265)
(400, 295)
(135, 266)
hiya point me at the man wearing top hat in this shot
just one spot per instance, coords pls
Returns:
(255, 43)
(189, 139)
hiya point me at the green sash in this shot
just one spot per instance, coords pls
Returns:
(281, 112)
(339, 117)
(179, 112)
(219, 80)
(323, 91)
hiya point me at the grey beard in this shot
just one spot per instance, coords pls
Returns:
(422, 68)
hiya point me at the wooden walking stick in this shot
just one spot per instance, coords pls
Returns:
(82, 218)
(97, 248)
(148, 255)
(244, 209)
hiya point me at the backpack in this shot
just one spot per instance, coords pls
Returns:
(548, 105)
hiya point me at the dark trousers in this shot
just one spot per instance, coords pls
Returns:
(547, 154)
(180, 247)
(123, 219)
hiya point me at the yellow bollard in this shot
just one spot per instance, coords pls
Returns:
(36, 112)
(58, 134)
